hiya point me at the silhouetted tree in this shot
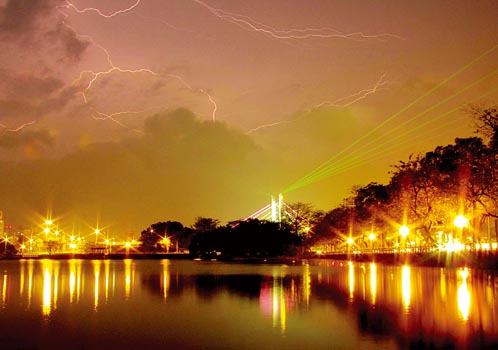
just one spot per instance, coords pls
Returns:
(486, 121)
(251, 238)
(203, 224)
(302, 217)
(153, 238)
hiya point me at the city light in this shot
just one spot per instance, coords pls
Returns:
(404, 231)
(461, 222)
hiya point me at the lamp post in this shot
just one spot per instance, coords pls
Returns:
(97, 231)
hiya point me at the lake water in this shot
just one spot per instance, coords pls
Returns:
(180, 304)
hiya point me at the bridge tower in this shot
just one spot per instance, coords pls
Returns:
(276, 208)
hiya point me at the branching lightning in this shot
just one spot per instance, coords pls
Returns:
(341, 102)
(95, 75)
(264, 126)
(70, 5)
(251, 24)
(16, 129)
(358, 96)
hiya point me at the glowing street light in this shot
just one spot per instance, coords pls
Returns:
(404, 231)
(461, 222)
(97, 231)
(371, 237)
(167, 243)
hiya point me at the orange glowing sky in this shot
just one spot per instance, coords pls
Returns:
(268, 90)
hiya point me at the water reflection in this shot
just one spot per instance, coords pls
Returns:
(464, 295)
(4, 289)
(165, 279)
(128, 277)
(96, 269)
(408, 306)
(373, 281)
(406, 287)
(434, 307)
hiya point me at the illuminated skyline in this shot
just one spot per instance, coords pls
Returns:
(90, 90)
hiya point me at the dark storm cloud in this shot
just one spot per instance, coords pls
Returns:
(21, 16)
(33, 43)
(16, 108)
(38, 23)
(180, 168)
(28, 86)
(23, 138)
(31, 97)
(73, 46)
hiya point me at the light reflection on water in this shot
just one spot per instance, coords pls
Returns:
(135, 304)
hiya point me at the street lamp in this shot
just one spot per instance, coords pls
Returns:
(97, 231)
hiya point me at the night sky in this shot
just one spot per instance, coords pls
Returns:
(127, 112)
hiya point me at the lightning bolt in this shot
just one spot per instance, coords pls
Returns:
(70, 5)
(341, 102)
(264, 126)
(95, 75)
(251, 24)
(357, 96)
(19, 128)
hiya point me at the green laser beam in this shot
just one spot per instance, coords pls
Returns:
(355, 161)
(394, 116)
(318, 174)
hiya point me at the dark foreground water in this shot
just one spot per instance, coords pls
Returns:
(161, 304)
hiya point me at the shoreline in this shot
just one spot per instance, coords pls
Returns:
(97, 256)
(471, 259)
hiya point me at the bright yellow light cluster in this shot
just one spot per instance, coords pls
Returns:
(461, 221)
